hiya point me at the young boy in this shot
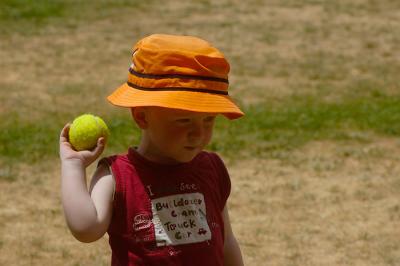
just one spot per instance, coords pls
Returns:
(164, 202)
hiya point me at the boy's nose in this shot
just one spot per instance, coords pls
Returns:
(196, 131)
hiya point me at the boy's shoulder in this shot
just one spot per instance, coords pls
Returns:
(112, 159)
(211, 157)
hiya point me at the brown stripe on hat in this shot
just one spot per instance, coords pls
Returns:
(179, 76)
(132, 85)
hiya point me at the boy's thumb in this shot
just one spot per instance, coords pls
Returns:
(100, 141)
(99, 147)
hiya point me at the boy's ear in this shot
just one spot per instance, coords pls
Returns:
(139, 114)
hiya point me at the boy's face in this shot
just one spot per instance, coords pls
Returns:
(175, 136)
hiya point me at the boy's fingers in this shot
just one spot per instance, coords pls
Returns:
(99, 147)
(64, 133)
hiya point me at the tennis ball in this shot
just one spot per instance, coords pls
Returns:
(86, 130)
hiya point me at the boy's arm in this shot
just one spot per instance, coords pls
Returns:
(232, 253)
(87, 214)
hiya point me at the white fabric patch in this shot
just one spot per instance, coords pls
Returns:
(180, 219)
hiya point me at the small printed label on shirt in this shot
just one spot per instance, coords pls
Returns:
(141, 222)
(180, 219)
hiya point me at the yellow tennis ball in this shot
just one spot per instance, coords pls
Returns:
(86, 130)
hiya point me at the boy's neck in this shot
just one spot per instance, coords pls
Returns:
(146, 151)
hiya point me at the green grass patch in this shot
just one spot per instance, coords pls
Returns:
(264, 130)
(32, 16)
(34, 10)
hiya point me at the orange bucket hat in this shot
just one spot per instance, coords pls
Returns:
(180, 72)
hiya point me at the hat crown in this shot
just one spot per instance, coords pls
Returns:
(179, 72)
(160, 54)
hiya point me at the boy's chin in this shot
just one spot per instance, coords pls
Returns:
(177, 159)
(186, 158)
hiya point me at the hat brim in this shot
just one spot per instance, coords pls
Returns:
(126, 96)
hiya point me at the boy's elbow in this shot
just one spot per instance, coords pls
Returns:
(86, 236)
(86, 232)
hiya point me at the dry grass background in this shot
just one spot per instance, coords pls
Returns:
(325, 203)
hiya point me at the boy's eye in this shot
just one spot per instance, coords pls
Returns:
(183, 120)
(209, 118)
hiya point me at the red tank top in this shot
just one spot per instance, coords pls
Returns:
(168, 215)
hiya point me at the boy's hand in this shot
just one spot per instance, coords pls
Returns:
(86, 157)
